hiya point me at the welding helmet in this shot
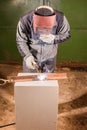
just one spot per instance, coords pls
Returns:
(43, 19)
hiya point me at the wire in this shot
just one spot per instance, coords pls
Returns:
(7, 125)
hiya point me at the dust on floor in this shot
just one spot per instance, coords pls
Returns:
(72, 107)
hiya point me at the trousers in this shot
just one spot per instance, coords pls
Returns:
(47, 66)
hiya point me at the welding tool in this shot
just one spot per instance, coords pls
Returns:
(36, 77)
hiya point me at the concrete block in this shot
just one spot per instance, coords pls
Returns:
(36, 104)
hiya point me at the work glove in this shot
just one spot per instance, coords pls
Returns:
(30, 62)
(48, 38)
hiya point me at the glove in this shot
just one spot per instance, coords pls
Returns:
(48, 38)
(30, 63)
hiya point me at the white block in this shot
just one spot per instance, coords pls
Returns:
(36, 104)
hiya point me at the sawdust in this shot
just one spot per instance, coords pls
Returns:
(72, 108)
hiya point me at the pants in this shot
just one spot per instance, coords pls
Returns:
(47, 66)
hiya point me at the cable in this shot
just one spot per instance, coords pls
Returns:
(7, 125)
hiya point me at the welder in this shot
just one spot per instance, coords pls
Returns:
(38, 34)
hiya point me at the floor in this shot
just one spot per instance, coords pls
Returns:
(72, 107)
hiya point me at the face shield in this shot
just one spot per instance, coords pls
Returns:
(43, 24)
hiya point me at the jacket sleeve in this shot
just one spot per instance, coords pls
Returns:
(22, 40)
(63, 33)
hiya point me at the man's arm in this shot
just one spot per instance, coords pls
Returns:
(22, 40)
(64, 33)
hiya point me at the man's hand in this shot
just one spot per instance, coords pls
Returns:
(48, 38)
(30, 62)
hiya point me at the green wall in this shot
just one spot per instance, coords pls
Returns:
(73, 50)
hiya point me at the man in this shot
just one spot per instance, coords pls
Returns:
(38, 34)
